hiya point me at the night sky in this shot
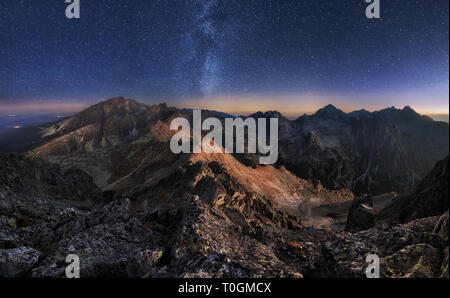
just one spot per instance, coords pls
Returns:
(231, 55)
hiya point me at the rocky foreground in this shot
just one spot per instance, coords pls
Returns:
(46, 214)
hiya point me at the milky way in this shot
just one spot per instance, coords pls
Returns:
(180, 50)
(201, 64)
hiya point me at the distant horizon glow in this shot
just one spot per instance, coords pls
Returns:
(293, 106)
(41, 108)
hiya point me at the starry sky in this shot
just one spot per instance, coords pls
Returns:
(237, 56)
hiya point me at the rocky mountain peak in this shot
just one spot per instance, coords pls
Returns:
(406, 117)
(330, 111)
(119, 103)
(269, 114)
(393, 111)
(408, 109)
(115, 100)
(359, 113)
(330, 107)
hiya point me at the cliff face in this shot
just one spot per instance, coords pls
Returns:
(429, 198)
(379, 152)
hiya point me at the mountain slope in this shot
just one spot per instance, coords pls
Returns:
(429, 198)
(127, 150)
(379, 152)
(199, 215)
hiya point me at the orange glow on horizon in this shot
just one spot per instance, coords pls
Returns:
(291, 106)
(295, 106)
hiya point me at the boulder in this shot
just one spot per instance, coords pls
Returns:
(361, 215)
(16, 262)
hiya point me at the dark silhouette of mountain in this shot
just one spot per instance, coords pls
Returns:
(378, 152)
(429, 198)
(330, 112)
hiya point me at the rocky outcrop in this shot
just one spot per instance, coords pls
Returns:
(208, 234)
(429, 198)
(110, 242)
(207, 245)
(406, 250)
(442, 229)
(361, 215)
(34, 196)
(42, 222)
(16, 262)
(21, 178)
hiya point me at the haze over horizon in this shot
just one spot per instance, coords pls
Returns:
(66, 109)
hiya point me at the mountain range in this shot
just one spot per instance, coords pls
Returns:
(104, 183)
(378, 152)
